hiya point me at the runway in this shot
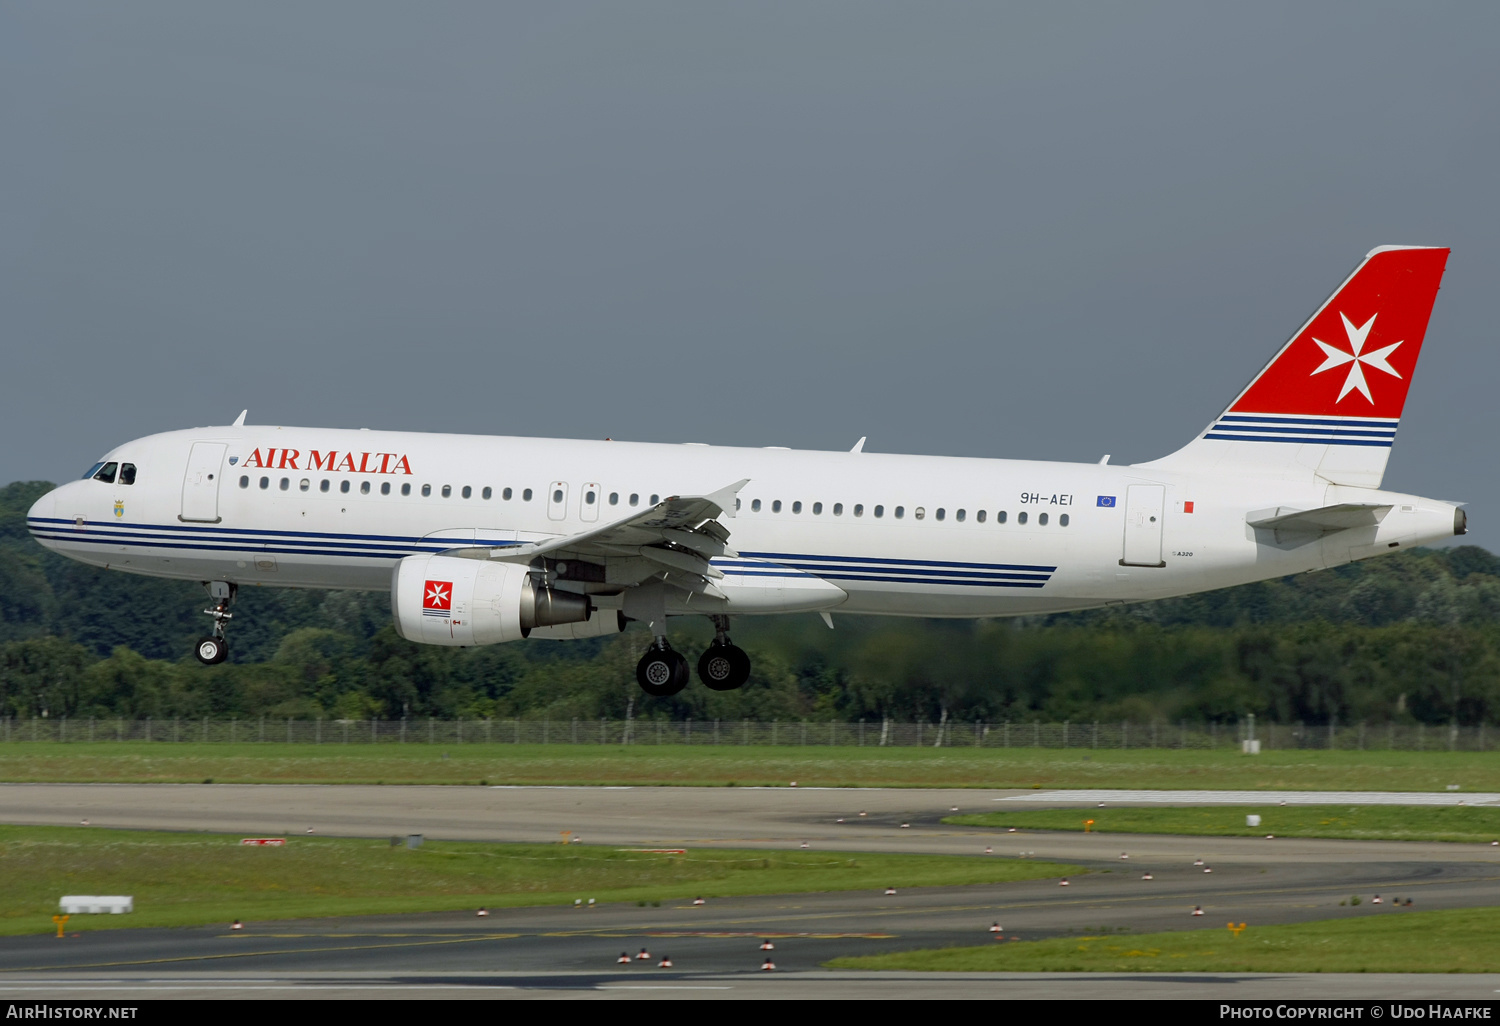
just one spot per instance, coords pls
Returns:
(657, 817)
(715, 948)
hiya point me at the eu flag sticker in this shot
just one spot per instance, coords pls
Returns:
(1106, 501)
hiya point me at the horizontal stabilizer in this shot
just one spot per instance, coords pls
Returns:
(1325, 519)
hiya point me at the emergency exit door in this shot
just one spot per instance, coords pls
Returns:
(1144, 513)
(557, 500)
(200, 488)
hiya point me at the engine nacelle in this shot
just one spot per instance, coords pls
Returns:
(448, 600)
(608, 621)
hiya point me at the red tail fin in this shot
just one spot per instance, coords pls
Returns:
(1331, 399)
(1356, 356)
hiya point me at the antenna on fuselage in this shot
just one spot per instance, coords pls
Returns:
(1104, 460)
(859, 446)
(240, 420)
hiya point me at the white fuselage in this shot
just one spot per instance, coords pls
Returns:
(973, 538)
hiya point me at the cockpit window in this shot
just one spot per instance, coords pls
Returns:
(107, 473)
(127, 473)
(87, 474)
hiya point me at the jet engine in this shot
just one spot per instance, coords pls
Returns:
(448, 600)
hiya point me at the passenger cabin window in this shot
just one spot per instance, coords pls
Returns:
(426, 491)
(557, 495)
(467, 491)
(265, 483)
(364, 488)
(979, 516)
(304, 485)
(900, 512)
(959, 516)
(942, 513)
(754, 505)
(245, 481)
(506, 494)
(385, 488)
(776, 506)
(859, 509)
(1021, 517)
(486, 493)
(1041, 518)
(817, 508)
(127, 473)
(634, 499)
(344, 487)
(838, 509)
(107, 473)
(614, 498)
(1000, 517)
(447, 491)
(406, 488)
(655, 499)
(920, 512)
(880, 511)
(1062, 520)
(286, 483)
(526, 495)
(323, 487)
(796, 507)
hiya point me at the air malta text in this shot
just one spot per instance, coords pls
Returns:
(353, 462)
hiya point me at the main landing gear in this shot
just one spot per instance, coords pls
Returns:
(724, 666)
(215, 648)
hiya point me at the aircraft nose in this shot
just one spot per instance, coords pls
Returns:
(42, 509)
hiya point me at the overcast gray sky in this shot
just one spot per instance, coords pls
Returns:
(1045, 231)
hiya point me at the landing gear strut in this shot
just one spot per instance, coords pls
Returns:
(723, 666)
(215, 648)
(662, 672)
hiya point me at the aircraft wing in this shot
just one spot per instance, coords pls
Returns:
(676, 537)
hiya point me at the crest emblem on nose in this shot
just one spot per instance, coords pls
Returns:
(119, 508)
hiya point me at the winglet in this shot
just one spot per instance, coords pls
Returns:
(724, 497)
(240, 420)
(859, 446)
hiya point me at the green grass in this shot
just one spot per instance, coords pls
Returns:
(188, 879)
(1359, 822)
(1448, 941)
(705, 765)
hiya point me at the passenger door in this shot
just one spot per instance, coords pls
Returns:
(200, 488)
(1145, 508)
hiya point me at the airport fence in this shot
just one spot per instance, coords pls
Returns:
(872, 733)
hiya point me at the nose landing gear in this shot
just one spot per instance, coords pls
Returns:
(215, 648)
(724, 666)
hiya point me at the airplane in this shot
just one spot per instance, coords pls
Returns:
(483, 539)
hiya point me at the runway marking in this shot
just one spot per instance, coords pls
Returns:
(1261, 797)
(770, 933)
(106, 988)
(654, 986)
(250, 954)
(347, 936)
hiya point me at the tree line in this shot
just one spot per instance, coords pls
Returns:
(1413, 637)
